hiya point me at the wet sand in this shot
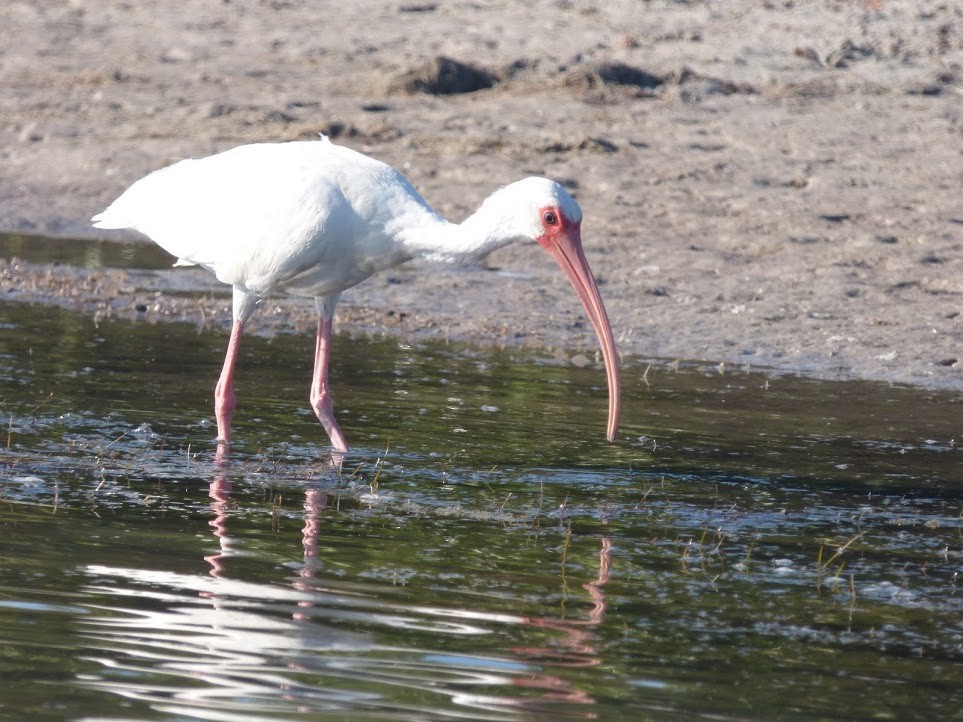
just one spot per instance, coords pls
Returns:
(766, 184)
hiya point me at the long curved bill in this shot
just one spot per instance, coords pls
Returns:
(566, 249)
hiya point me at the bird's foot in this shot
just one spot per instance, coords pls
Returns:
(335, 459)
(223, 453)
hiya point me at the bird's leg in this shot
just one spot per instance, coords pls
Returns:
(224, 400)
(320, 398)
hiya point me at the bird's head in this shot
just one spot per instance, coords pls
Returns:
(551, 217)
(533, 209)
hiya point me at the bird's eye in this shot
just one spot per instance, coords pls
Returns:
(550, 218)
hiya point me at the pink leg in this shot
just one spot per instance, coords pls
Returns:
(224, 400)
(320, 399)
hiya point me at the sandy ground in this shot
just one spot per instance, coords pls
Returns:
(770, 183)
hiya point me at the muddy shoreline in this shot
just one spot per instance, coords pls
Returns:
(767, 185)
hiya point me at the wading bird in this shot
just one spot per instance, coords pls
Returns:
(311, 218)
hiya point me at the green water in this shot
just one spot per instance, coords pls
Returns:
(83, 254)
(753, 547)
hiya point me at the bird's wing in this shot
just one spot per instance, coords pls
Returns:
(252, 212)
(310, 217)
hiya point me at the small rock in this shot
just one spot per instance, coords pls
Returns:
(580, 360)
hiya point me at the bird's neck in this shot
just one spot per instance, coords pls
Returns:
(459, 243)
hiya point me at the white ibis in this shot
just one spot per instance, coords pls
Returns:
(312, 218)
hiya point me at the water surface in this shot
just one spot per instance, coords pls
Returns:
(753, 547)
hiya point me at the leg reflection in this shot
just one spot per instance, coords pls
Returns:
(315, 502)
(220, 494)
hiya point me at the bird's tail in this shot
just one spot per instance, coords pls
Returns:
(106, 219)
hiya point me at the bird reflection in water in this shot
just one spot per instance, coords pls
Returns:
(467, 677)
(579, 643)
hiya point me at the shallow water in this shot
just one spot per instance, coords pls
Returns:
(753, 547)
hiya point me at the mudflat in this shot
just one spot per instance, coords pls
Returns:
(770, 184)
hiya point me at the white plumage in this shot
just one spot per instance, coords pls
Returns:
(313, 218)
